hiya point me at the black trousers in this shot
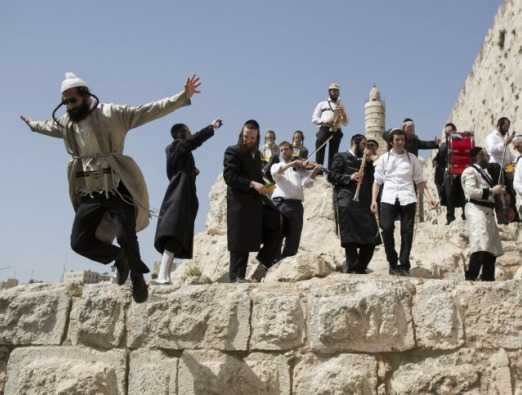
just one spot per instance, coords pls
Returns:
(406, 214)
(333, 146)
(270, 251)
(481, 260)
(90, 212)
(291, 225)
(358, 256)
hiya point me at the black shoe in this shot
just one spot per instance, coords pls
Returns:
(122, 269)
(140, 291)
(404, 271)
(394, 271)
(242, 281)
(450, 220)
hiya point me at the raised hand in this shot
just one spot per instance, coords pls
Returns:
(216, 123)
(27, 120)
(192, 85)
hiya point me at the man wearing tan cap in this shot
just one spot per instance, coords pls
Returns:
(330, 115)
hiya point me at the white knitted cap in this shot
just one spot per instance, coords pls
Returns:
(72, 81)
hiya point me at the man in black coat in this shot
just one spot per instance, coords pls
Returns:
(252, 219)
(175, 229)
(413, 142)
(357, 225)
(448, 185)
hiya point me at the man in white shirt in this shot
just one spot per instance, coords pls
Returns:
(497, 142)
(329, 115)
(399, 174)
(517, 180)
(290, 178)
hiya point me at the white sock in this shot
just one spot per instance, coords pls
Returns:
(166, 264)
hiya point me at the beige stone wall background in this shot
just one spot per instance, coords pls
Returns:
(307, 328)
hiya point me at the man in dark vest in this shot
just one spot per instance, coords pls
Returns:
(358, 226)
(252, 219)
(175, 229)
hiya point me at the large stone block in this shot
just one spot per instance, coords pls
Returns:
(193, 317)
(278, 321)
(4, 356)
(98, 317)
(437, 320)
(151, 372)
(33, 314)
(466, 371)
(491, 313)
(361, 315)
(215, 373)
(65, 371)
(342, 374)
(303, 266)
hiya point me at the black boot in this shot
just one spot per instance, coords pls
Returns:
(140, 291)
(122, 269)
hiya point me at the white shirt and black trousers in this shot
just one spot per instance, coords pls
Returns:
(398, 174)
(288, 198)
(324, 113)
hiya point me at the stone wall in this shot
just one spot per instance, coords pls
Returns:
(494, 86)
(337, 335)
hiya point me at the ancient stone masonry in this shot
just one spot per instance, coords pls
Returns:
(341, 334)
(494, 86)
(307, 328)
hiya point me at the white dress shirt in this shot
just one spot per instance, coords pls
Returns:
(495, 144)
(324, 112)
(290, 183)
(517, 181)
(397, 173)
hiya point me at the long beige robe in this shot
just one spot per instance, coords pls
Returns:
(482, 225)
(110, 123)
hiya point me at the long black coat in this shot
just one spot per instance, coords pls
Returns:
(448, 185)
(244, 204)
(178, 211)
(356, 222)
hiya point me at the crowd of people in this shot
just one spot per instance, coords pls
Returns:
(265, 187)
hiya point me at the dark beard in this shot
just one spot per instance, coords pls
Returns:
(359, 152)
(245, 149)
(79, 113)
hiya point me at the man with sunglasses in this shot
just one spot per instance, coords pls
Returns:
(106, 187)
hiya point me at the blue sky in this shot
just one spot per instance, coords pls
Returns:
(270, 60)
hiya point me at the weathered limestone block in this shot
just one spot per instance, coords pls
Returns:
(215, 373)
(515, 363)
(465, 371)
(278, 321)
(151, 372)
(98, 317)
(302, 266)
(65, 371)
(4, 356)
(491, 313)
(342, 374)
(361, 315)
(438, 325)
(33, 314)
(192, 317)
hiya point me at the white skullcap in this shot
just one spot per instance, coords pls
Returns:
(72, 81)
(334, 85)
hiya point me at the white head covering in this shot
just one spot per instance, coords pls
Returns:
(334, 85)
(72, 81)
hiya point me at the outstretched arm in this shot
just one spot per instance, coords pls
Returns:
(49, 127)
(197, 139)
(133, 117)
